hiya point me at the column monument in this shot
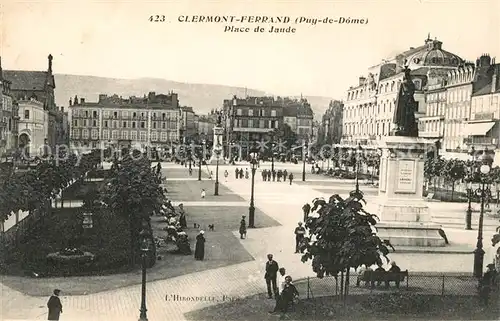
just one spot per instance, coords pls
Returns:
(405, 219)
(217, 148)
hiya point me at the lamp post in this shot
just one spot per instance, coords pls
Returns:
(200, 157)
(217, 151)
(144, 249)
(470, 191)
(251, 210)
(273, 145)
(483, 192)
(359, 150)
(304, 156)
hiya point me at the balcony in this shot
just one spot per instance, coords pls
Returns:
(483, 116)
(430, 134)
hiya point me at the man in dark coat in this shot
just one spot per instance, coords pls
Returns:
(54, 305)
(290, 177)
(306, 209)
(236, 173)
(271, 275)
(285, 175)
(300, 232)
(243, 228)
(199, 249)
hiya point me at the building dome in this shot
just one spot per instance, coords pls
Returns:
(432, 55)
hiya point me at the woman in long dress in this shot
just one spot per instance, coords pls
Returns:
(182, 217)
(199, 250)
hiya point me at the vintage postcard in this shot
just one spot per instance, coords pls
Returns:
(249, 160)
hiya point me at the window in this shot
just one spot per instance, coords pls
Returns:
(124, 125)
(94, 123)
(84, 122)
(250, 112)
(134, 115)
(86, 114)
(95, 134)
(250, 123)
(75, 122)
(125, 135)
(105, 114)
(163, 136)
(94, 114)
(163, 116)
(154, 125)
(133, 124)
(142, 137)
(133, 135)
(115, 124)
(262, 112)
(106, 124)
(114, 134)
(273, 113)
(261, 124)
(125, 114)
(115, 114)
(154, 136)
(105, 134)
(238, 112)
(163, 125)
(143, 124)
(85, 134)
(26, 114)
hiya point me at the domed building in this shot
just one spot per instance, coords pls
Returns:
(432, 55)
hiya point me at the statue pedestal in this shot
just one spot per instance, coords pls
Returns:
(217, 147)
(404, 215)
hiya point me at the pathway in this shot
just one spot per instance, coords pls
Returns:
(280, 201)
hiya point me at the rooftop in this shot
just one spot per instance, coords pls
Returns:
(28, 80)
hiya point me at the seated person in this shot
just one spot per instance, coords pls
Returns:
(378, 269)
(361, 275)
(172, 232)
(394, 269)
(183, 245)
(288, 294)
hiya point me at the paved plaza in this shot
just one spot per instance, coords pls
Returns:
(280, 201)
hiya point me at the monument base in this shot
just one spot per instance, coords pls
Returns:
(213, 161)
(406, 223)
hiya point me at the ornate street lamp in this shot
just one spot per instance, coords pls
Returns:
(145, 243)
(483, 192)
(217, 151)
(470, 191)
(304, 156)
(273, 145)
(200, 157)
(254, 153)
(359, 150)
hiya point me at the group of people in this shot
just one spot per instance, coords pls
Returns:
(268, 175)
(238, 173)
(394, 268)
(279, 284)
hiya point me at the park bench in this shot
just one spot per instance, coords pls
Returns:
(384, 276)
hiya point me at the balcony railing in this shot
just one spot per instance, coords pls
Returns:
(483, 116)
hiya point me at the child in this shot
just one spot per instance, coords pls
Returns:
(203, 193)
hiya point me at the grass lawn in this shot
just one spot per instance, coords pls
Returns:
(358, 307)
(191, 191)
(221, 249)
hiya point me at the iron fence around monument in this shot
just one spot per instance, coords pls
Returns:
(442, 284)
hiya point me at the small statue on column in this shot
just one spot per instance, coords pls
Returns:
(404, 115)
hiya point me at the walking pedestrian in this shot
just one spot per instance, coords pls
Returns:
(199, 249)
(226, 174)
(236, 173)
(274, 176)
(300, 232)
(306, 209)
(203, 193)
(271, 275)
(285, 175)
(243, 228)
(54, 305)
(182, 217)
(290, 177)
(247, 175)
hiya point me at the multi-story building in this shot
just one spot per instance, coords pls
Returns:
(205, 127)
(33, 127)
(431, 125)
(251, 119)
(38, 85)
(370, 105)
(149, 121)
(187, 127)
(330, 130)
(299, 115)
(458, 94)
(483, 129)
(8, 118)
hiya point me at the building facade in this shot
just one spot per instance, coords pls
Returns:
(299, 115)
(39, 86)
(330, 130)
(187, 126)
(8, 118)
(483, 128)
(251, 119)
(370, 105)
(149, 121)
(33, 127)
(205, 127)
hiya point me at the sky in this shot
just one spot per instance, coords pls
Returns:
(116, 39)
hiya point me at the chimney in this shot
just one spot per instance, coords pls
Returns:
(494, 80)
(82, 101)
(70, 102)
(50, 63)
(75, 102)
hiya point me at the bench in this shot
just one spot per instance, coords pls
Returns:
(383, 276)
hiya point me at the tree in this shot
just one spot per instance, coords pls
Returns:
(285, 134)
(342, 237)
(452, 171)
(135, 192)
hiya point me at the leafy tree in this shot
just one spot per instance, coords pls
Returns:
(452, 171)
(135, 192)
(342, 237)
(286, 135)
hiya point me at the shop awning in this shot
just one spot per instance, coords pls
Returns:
(478, 129)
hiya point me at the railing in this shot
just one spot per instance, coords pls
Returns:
(423, 283)
(483, 116)
(481, 140)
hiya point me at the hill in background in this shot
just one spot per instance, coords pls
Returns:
(202, 97)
